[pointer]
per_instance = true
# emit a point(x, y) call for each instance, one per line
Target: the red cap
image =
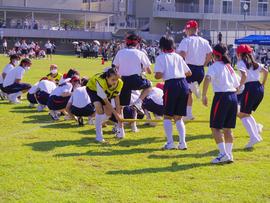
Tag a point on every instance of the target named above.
point(160, 85)
point(191, 24)
point(244, 48)
point(75, 79)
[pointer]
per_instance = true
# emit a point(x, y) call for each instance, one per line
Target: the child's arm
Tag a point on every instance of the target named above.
point(243, 78)
point(111, 109)
point(265, 75)
point(206, 82)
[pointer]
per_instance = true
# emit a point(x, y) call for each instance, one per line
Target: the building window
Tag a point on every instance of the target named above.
point(208, 6)
point(227, 6)
point(169, 1)
point(245, 7)
point(262, 7)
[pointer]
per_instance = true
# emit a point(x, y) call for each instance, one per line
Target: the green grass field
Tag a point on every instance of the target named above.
point(46, 161)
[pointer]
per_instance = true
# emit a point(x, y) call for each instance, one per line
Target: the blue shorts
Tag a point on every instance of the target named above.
point(239, 98)
point(57, 102)
point(252, 97)
point(16, 87)
point(31, 98)
point(86, 111)
point(128, 114)
point(94, 97)
point(224, 110)
point(197, 74)
point(151, 106)
point(175, 97)
point(132, 82)
point(42, 97)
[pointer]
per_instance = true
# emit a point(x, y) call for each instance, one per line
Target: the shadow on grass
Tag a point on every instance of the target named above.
point(111, 152)
point(51, 145)
point(137, 142)
point(197, 155)
point(173, 168)
point(198, 137)
point(38, 119)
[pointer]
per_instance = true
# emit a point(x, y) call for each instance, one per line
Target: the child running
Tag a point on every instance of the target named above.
point(253, 92)
point(102, 88)
point(172, 68)
point(224, 106)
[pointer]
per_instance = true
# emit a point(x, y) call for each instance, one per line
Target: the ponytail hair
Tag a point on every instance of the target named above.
point(109, 72)
point(249, 61)
point(221, 52)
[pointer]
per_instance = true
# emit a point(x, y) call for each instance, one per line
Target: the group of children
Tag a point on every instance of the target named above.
point(122, 91)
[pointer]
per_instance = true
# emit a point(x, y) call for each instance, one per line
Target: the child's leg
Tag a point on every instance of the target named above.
point(228, 136)
point(180, 125)
point(134, 124)
point(168, 128)
point(100, 118)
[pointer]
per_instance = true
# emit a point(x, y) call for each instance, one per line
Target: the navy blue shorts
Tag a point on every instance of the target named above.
point(128, 114)
point(42, 97)
point(1, 87)
point(94, 97)
point(197, 74)
point(224, 110)
point(239, 98)
point(151, 106)
point(16, 87)
point(86, 111)
point(252, 97)
point(175, 97)
point(132, 82)
point(31, 98)
point(57, 102)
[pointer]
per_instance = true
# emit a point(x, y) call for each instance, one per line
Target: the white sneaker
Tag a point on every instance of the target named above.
point(120, 134)
point(222, 158)
point(168, 146)
point(182, 146)
point(54, 115)
point(134, 129)
point(16, 101)
point(231, 157)
point(194, 87)
point(101, 141)
point(91, 121)
point(260, 128)
point(251, 143)
point(40, 108)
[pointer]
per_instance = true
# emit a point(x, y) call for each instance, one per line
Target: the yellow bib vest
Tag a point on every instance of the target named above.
point(110, 92)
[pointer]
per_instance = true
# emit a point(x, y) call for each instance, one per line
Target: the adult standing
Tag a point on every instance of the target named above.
point(49, 47)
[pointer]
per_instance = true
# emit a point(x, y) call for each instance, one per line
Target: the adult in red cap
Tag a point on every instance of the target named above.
point(197, 53)
point(253, 92)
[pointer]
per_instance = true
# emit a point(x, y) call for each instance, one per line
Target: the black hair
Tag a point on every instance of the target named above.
point(166, 43)
point(134, 39)
point(14, 56)
point(84, 81)
point(249, 61)
point(71, 73)
point(25, 60)
point(222, 49)
point(109, 72)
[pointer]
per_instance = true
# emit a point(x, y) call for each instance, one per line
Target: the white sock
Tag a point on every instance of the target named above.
point(228, 147)
point(189, 111)
point(221, 147)
point(167, 123)
point(99, 120)
point(180, 125)
point(252, 131)
point(254, 123)
point(147, 114)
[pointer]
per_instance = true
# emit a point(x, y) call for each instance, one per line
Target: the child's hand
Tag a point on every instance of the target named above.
point(205, 100)
point(119, 117)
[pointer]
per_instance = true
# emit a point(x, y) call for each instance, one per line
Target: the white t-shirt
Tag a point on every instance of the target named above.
point(223, 77)
point(13, 75)
point(196, 49)
point(65, 88)
point(156, 95)
point(48, 45)
point(135, 94)
point(24, 46)
point(6, 70)
point(80, 98)
point(33, 89)
point(131, 61)
point(252, 75)
point(171, 65)
point(46, 86)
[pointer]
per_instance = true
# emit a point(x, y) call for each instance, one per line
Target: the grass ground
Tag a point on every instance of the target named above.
point(45, 161)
